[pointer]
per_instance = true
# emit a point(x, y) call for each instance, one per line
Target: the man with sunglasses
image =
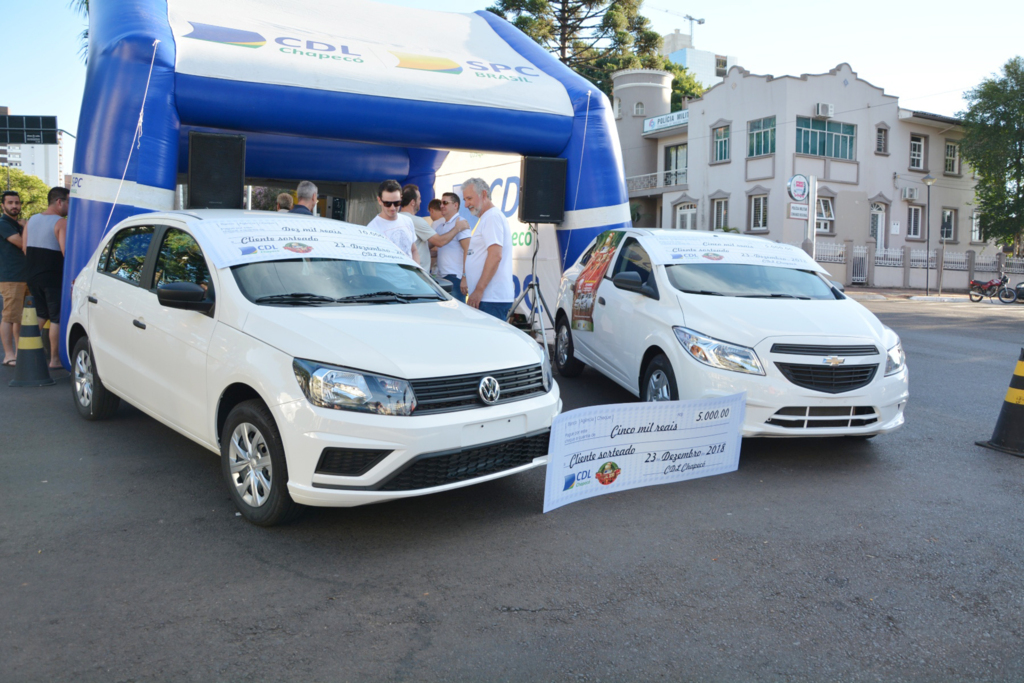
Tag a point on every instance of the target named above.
point(391, 223)
point(451, 241)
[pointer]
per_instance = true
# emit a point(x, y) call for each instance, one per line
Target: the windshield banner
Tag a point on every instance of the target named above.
point(603, 449)
point(590, 279)
point(232, 242)
point(667, 247)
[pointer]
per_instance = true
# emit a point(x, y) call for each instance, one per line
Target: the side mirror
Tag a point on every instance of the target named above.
point(444, 283)
point(184, 295)
point(838, 285)
point(628, 281)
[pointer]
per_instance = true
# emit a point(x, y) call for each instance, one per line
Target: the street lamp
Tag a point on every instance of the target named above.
point(929, 181)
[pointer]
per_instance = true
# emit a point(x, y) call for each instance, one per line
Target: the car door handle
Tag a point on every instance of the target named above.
point(139, 324)
point(600, 300)
point(93, 300)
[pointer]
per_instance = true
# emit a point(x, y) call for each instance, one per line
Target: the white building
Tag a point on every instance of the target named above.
point(32, 144)
point(707, 67)
point(725, 162)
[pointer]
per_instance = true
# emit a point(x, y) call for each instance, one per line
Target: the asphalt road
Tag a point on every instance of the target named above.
point(898, 559)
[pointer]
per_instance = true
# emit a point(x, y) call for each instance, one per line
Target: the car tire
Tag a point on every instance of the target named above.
point(1007, 295)
point(93, 400)
point(565, 360)
point(254, 466)
point(659, 381)
point(975, 296)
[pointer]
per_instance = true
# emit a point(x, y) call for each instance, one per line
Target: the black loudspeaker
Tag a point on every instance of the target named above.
point(216, 171)
point(542, 190)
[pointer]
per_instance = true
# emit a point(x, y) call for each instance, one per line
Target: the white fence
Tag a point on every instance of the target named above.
point(954, 260)
point(889, 257)
point(989, 265)
point(828, 252)
point(653, 181)
point(919, 258)
point(1015, 265)
point(859, 273)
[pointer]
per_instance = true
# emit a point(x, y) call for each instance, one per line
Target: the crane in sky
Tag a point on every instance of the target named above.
point(691, 19)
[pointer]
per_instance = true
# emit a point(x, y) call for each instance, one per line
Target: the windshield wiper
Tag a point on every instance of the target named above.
point(773, 296)
point(297, 298)
point(386, 295)
point(701, 291)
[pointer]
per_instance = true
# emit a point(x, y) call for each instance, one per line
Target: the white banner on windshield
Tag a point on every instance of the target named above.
point(232, 242)
point(603, 449)
point(684, 246)
point(360, 47)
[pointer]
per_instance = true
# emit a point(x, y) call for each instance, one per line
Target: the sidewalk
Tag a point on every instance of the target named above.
point(880, 294)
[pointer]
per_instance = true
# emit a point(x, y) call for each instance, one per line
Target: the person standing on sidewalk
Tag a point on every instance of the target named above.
point(44, 258)
point(12, 275)
point(488, 281)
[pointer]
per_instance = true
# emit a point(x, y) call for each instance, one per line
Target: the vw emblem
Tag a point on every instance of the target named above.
point(490, 390)
point(833, 360)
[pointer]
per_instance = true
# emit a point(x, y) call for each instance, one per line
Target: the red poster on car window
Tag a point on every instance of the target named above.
point(590, 278)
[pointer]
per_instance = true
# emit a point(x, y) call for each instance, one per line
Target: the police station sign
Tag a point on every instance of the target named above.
point(676, 118)
point(608, 448)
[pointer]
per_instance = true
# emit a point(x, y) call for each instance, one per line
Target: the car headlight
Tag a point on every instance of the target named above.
point(329, 386)
point(719, 354)
point(895, 360)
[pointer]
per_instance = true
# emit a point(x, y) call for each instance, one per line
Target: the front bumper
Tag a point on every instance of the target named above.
point(306, 430)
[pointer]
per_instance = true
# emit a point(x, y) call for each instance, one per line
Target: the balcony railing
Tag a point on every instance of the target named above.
point(655, 181)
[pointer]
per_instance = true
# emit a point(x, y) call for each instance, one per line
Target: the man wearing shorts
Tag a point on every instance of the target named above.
point(44, 257)
point(12, 275)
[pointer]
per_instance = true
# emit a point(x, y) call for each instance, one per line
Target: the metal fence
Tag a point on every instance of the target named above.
point(889, 257)
point(1014, 265)
point(653, 181)
point(859, 271)
point(989, 265)
point(919, 258)
point(954, 260)
point(830, 252)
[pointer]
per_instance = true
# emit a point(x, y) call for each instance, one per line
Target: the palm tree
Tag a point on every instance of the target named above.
point(82, 7)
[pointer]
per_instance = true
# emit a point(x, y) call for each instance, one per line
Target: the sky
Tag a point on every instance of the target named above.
point(926, 53)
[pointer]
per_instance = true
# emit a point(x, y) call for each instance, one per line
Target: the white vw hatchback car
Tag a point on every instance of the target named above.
point(673, 314)
point(321, 364)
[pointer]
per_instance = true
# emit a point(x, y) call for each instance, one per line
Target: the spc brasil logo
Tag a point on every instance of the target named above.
point(225, 36)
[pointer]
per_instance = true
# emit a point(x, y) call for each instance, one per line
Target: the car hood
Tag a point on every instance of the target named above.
point(411, 341)
point(749, 321)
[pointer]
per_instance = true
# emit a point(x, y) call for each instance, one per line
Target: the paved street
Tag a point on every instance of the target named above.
point(900, 558)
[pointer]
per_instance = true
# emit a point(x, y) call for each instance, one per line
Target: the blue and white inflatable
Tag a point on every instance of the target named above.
point(344, 91)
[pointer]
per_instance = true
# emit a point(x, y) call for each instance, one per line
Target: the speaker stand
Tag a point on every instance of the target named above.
point(537, 299)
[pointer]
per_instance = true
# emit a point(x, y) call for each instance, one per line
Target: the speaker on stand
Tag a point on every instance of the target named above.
point(216, 171)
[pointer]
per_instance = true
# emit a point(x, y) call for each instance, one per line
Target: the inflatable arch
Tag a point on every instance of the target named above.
point(344, 91)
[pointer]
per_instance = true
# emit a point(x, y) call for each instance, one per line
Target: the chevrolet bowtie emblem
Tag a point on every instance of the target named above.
point(833, 360)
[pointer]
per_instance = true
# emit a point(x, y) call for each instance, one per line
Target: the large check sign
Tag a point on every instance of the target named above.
point(609, 448)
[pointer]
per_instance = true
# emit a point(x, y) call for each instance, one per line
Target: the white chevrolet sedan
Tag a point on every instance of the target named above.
point(324, 366)
point(673, 314)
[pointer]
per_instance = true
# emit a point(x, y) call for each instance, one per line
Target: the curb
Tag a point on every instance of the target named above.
point(935, 299)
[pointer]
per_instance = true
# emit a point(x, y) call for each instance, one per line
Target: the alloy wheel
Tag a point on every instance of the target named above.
point(658, 388)
point(83, 378)
point(251, 470)
point(562, 346)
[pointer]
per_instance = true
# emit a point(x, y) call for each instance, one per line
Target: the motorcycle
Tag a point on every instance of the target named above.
point(996, 287)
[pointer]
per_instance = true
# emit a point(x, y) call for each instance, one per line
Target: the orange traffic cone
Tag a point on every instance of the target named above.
point(1008, 435)
point(32, 369)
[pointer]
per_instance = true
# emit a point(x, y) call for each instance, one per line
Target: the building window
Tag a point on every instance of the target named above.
point(720, 207)
point(761, 137)
point(976, 227)
point(881, 141)
point(686, 216)
point(917, 152)
point(638, 109)
point(952, 158)
point(618, 107)
point(759, 212)
point(825, 216)
point(914, 222)
point(675, 165)
point(820, 138)
point(948, 230)
point(721, 66)
point(722, 144)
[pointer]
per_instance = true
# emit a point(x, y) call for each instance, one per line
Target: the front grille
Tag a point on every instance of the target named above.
point(823, 417)
point(831, 380)
point(349, 462)
point(812, 350)
point(437, 469)
point(461, 392)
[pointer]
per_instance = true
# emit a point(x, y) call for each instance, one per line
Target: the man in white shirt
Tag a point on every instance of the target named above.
point(396, 226)
point(488, 280)
point(411, 200)
point(451, 255)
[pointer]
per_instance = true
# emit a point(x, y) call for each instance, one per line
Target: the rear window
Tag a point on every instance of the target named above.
point(746, 280)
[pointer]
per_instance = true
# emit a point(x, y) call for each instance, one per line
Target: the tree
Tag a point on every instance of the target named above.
point(82, 7)
point(993, 144)
point(596, 38)
point(33, 190)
